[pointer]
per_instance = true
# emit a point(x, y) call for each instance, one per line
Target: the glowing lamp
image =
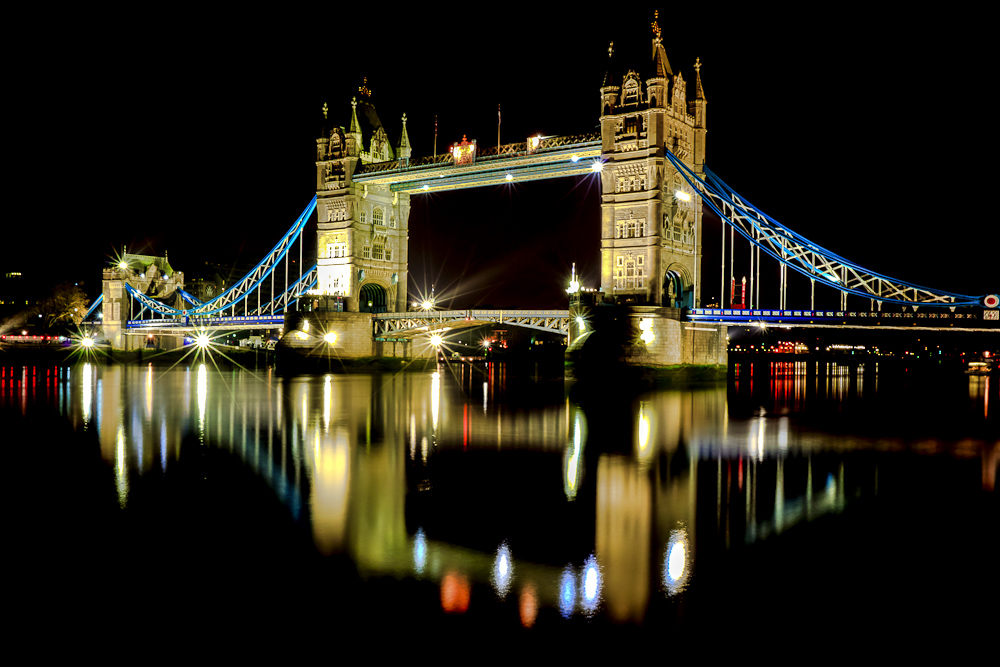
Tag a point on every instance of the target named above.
point(426, 305)
point(202, 341)
point(330, 337)
point(436, 340)
point(509, 177)
point(87, 342)
point(597, 167)
point(683, 196)
point(575, 158)
point(646, 327)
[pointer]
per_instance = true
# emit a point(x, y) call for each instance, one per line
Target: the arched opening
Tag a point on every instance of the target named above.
point(675, 294)
point(372, 299)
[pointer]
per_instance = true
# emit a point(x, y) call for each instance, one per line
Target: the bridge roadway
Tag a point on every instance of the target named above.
point(933, 320)
point(535, 159)
point(386, 326)
point(406, 326)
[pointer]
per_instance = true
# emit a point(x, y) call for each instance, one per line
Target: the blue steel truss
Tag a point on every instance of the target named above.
point(804, 256)
point(251, 281)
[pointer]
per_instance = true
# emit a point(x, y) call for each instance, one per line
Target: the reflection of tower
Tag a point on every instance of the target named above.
point(624, 520)
point(650, 217)
point(362, 230)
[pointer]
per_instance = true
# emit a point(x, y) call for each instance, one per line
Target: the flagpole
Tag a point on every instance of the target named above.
point(498, 130)
point(435, 135)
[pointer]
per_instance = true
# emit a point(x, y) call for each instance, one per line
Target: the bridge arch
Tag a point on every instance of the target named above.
point(678, 286)
point(373, 297)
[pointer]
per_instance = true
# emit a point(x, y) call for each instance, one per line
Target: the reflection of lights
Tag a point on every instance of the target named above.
point(643, 431)
point(301, 335)
point(567, 592)
point(419, 551)
point(87, 395)
point(574, 449)
point(435, 398)
point(528, 605)
point(305, 325)
point(202, 397)
point(121, 471)
point(454, 593)
point(591, 585)
point(503, 571)
point(676, 562)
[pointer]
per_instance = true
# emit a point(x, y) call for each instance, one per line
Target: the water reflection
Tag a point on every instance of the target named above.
point(591, 521)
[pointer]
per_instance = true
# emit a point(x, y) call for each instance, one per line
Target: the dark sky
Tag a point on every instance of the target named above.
point(195, 134)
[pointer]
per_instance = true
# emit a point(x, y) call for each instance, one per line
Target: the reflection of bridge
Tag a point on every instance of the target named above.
point(650, 158)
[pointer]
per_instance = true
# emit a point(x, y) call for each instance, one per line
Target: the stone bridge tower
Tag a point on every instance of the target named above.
point(362, 230)
point(650, 216)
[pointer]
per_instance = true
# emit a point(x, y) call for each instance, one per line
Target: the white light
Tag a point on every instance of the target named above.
point(202, 341)
point(591, 585)
point(580, 321)
point(330, 337)
point(575, 158)
point(87, 342)
point(574, 286)
point(426, 187)
point(436, 340)
point(503, 571)
point(597, 166)
point(509, 177)
point(426, 305)
point(683, 196)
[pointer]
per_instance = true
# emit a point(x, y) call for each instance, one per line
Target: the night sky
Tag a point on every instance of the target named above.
point(195, 135)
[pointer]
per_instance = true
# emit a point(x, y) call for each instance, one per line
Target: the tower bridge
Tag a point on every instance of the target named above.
point(650, 159)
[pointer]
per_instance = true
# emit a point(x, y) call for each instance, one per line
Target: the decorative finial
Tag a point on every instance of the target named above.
point(611, 49)
point(656, 25)
point(697, 65)
point(363, 88)
point(404, 118)
point(354, 102)
point(324, 110)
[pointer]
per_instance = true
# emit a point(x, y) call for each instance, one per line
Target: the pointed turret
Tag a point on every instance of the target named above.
point(403, 150)
point(610, 87)
point(656, 85)
point(354, 131)
point(696, 108)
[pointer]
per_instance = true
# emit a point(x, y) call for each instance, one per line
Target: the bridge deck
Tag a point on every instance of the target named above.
point(555, 157)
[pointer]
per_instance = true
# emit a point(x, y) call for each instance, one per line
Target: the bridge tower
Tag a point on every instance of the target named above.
point(650, 216)
point(362, 230)
point(151, 275)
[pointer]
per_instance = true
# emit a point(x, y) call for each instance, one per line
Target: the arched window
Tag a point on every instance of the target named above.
point(378, 215)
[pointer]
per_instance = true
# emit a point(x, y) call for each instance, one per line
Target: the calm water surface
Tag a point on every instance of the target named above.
point(471, 500)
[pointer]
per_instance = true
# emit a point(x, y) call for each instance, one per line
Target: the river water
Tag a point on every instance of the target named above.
point(473, 502)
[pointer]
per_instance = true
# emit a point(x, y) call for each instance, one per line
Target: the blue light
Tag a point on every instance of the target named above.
point(567, 592)
point(419, 551)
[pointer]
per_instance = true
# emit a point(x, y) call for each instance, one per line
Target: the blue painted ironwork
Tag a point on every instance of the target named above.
point(806, 257)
